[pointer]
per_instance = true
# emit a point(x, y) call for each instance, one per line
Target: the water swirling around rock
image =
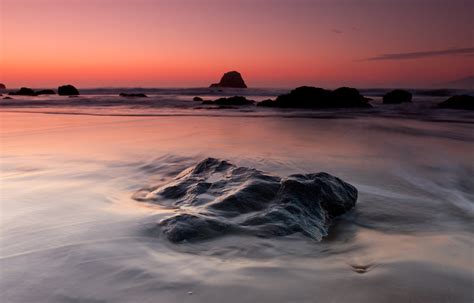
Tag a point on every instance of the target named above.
point(216, 198)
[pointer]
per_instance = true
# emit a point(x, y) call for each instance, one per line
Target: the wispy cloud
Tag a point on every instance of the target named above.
point(426, 54)
point(336, 31)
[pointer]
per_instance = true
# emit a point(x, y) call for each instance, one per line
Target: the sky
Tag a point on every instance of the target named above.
point(273, 43)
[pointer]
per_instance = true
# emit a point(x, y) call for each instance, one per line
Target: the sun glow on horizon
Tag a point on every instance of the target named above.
point(180, 43)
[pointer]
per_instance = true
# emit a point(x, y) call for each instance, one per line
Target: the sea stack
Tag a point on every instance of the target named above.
point(67, 90)
point(231, 79)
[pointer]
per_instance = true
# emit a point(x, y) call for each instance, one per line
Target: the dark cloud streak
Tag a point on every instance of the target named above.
point(426, 54)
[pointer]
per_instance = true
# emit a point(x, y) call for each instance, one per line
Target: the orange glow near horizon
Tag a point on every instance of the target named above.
point(164, 43)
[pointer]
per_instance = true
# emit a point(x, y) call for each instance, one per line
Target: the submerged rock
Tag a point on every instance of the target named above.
point(46, 92)
point(315, 97)
point(236, 100)
point(216, 198)
point(133, 95)
point(67, 90)
point(231, 79)
point(24, 91)
point(7, 98)
point(397, 96)
point(459, 102)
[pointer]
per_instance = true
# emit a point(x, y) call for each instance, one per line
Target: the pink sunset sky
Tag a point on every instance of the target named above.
point(273, 43)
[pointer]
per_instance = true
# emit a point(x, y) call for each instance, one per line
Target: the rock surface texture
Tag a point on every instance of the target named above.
point(215, 198)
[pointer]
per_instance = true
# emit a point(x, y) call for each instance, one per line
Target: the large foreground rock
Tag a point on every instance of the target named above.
point(459, 102)
point(215, 198)
point(231, 79)
point(67, 90)
point(315, 97)
point(397, 96)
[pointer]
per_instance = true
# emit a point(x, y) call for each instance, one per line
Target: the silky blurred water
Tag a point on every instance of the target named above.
point(71, 232)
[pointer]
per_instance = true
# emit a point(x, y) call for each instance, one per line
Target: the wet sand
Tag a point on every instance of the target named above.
point(71, 232)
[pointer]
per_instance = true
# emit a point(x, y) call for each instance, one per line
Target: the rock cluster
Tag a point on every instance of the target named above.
point(315, 97)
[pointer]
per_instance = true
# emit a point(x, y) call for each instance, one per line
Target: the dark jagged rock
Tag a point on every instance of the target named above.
point(236, 100)
point(133, 95)
point(198, 99)
point(67, 90)
point(397, 96)
point(231, 79)
point(216, 198)
point(458, 102)
point(46, 92)
point(24, 91)
point(266, 103)
point(315, 97)
point(2, 86)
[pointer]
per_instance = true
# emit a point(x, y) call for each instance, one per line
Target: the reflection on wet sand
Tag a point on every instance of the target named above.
point(71, 232)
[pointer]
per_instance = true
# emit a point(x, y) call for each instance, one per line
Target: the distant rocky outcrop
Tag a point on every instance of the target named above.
point(315, 97)
point(2, 86)
point(458, 102)
point(67, 90)
point(231, 79)
point(46, 92)
point(24, 91)
point(133, 95)
point(216, 198)
point(397, 96)
point(236, 100)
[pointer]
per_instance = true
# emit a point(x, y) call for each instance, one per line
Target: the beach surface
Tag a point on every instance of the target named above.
point(71, 231)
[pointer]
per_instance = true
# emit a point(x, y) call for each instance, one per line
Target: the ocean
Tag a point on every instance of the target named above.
point(73, 230)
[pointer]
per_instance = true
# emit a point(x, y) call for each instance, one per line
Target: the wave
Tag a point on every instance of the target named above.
point(216, 198)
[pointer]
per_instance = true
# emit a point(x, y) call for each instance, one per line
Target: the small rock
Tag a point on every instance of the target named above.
point(397, 96)
point(24, 91)
point(458, 102)
point(46, 92)
point(197, 99)
point(67, 90)
point(133, 95)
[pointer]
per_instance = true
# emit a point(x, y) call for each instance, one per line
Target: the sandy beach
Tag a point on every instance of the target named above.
point(72, 232)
